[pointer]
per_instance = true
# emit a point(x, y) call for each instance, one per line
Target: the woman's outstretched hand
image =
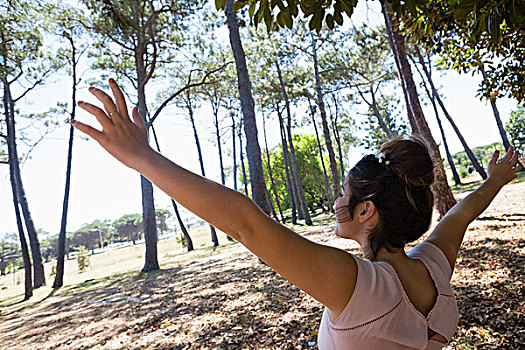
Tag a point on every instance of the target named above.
point(124, 139)
point(506, 169)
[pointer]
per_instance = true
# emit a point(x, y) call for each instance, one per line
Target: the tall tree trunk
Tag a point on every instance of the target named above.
point(214, 237)
point(253, 151)
point(234, 152)
point(270, 173)
point(495, 110)
point(333, 119)
point(286, 157)
point(293, 160)
point(243, 168)
point(13, 160)
point(219, 146)
point(148, 205)
point(326, 130)
point(443, 195)
point(215, 107)
point(468, 151)
point(38, 267)
point(59, 275)
point(185, 233)
point(326, 193)
point(432, 98)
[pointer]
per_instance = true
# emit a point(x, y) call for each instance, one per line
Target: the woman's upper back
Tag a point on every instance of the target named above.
point(380, 314)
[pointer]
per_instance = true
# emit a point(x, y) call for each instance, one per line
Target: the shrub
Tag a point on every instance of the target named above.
point(82, 260)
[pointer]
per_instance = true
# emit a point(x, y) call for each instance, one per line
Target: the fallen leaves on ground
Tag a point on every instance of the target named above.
point(229, 300)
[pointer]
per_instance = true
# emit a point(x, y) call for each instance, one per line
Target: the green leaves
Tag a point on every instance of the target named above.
point(321, 12)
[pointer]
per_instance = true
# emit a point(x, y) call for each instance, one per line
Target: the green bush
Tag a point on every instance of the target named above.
point(82, 260)
point(463, 172)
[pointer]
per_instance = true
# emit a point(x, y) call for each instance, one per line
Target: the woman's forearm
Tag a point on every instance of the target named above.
point(478, 201)
point(226, 209)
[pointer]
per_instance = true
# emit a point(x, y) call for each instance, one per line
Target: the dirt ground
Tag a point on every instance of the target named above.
point(228, 300)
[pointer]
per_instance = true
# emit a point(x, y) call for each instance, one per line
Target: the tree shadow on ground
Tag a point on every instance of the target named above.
point(490, 294)
point(232, 302)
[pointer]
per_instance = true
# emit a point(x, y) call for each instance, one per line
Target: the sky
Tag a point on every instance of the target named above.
point(102, 188)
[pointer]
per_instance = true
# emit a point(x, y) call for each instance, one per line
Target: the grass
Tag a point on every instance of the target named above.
point(108, 266)
point(474, 181)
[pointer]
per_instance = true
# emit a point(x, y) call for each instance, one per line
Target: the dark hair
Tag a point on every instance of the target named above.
point(398, 183)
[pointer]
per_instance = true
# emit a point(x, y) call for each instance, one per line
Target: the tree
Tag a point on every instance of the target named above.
point(516, 127)
point(432, 98)
point(435, 94)
point(253, 150)
point(67, 21)
point(189, 100)
point(91, 235)
point(473, 36)
point(443, 195)
point(129, 227)
point(139, 33)
point(23, 64)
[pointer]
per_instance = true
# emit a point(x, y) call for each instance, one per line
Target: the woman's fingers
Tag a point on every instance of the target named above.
point(101, 116)
point(88, 130)
point(122, 108)
point(137, 119)
point(495, 157)
point(107, 101)
point(510, 153)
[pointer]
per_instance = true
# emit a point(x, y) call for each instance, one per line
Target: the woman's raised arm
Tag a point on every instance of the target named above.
point(449, 233)
point(327, 274)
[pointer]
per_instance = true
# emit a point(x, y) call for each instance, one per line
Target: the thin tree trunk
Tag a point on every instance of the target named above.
point(215, 107)
point(289, 182)
point(244, 178)
point(468, 151)
point(432, 98)
point(219, 146)
point(253, 151)
point(185, 233)
point(234, 152)
point(443, 195)
point(59, 275)
point(294, 169)
point(495, 110)
point(326, 194)
point(270, 173)
point(148, 205)
point(38, 267)
point(28, 283)
point(214, 237)
point(333, 119)
point(326, 130)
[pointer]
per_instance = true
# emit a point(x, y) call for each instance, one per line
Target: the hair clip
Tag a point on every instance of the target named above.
point(381, 157)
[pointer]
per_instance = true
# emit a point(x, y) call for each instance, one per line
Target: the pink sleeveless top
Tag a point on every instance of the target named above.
point(379, 314)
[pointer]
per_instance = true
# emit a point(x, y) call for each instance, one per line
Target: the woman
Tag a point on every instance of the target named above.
point(391, 300)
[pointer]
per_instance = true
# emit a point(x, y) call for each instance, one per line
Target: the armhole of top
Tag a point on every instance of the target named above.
point(437, 255)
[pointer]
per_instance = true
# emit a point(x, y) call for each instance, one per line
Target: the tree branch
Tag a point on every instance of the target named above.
point(180, 91)
point(35, 84)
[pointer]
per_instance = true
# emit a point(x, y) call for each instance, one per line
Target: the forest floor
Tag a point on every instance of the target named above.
point(226, 299)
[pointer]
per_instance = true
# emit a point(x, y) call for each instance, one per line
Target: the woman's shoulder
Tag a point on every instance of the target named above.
point(434, 259)
point(376, 291)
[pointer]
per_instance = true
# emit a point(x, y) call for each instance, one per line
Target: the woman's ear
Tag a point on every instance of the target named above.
point(366, 210)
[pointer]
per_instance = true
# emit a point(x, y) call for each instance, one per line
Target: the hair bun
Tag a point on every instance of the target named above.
point(410, 159)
